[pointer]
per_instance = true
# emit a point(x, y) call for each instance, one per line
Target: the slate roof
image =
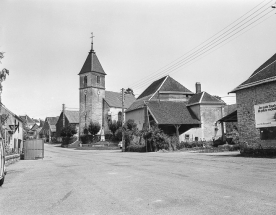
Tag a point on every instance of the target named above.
point(170, 112)
point(163, 84)
point(72, 116)
point(113, 99)
point(92, 64)
point(204, 98)
point(265, 73)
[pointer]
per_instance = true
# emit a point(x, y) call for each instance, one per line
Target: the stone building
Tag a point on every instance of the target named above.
point(256, 106)
point(177, 110)
point(96, 104)
point(67, 117)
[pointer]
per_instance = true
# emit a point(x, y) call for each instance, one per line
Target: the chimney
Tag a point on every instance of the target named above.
point(63, 115)
point(198, 87)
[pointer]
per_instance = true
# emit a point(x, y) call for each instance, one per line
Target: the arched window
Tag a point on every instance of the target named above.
point(120, 116)
point(85, 81)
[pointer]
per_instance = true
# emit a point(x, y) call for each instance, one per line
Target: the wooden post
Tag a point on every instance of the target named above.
point(146, 126)
point(177, 132)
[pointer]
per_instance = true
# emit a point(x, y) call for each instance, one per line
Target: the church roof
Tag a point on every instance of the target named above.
point(204, 98)
point(92, 64)
point(265, 73)
point(113, 99)
point(170, 112)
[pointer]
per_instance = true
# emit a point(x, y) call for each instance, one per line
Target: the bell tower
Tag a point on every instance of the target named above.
point(92, 90)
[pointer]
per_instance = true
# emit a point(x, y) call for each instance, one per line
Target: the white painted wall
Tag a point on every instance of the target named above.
point(138, 117)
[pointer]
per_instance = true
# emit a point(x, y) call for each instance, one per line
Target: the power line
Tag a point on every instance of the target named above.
point(181, 64)
point(211, 43)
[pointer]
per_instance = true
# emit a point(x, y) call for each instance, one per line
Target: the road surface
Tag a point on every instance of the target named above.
point(69, 181)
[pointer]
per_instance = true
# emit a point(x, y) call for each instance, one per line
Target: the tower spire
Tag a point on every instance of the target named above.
point(92, 50)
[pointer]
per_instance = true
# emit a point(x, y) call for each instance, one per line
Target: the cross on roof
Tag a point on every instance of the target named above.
point(92, 41)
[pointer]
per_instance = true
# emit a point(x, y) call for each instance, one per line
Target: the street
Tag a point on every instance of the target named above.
point(69, 181)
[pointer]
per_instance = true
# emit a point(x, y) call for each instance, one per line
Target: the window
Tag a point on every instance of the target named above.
point(120, 116)
point(268, 133)
point(98, 79)
point(85, 81)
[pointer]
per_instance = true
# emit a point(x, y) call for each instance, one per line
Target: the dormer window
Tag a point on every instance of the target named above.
point(85, 81)
point(98, 79)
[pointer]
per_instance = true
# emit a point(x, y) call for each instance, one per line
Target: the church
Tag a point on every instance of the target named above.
point(95, 103)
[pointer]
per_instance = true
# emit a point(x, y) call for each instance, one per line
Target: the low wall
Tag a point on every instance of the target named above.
point(10, 159)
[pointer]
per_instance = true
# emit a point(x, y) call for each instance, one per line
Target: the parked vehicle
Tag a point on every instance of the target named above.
point(120, 144)
point(2, 163)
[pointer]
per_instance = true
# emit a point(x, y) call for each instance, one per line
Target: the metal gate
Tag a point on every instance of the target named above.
point(33, 149)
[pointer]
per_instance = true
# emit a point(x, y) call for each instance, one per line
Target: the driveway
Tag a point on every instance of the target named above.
point(69, 181)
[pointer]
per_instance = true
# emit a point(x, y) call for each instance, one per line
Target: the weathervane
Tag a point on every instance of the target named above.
point(92, 41)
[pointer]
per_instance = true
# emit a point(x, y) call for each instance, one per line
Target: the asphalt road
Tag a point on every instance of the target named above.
point(69, 181)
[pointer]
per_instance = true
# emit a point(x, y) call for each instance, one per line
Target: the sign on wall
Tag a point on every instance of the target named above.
point(265, 115)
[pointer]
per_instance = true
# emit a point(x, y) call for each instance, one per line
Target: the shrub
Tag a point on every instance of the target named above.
point(94, 128)
point(118, 134)
point(109, 136)
point(136, 148)
point(113, 126)
point(156, 139)
point(68, 131)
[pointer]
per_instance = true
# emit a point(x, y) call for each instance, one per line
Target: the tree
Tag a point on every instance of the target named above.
point(129, 91)
point(3, 73)
point(113, 126)
point(94, 128)
point(68, 131)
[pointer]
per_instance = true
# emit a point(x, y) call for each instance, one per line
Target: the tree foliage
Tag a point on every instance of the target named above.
point(68, 131)
point(94, 128)
point(113, 126)
point(129, 91)
point(156, 139)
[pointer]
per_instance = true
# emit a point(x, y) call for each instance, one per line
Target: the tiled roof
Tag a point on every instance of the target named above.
point(152, 88)
point(52, 120)
point(72, 116)
point(265, 73)
point(170, 112)
point(172, 85)
point(27, 120)
point(139, 103)
point(35, 127)
point(165, 84)
point(113, 99)
point(92, 63)
point(204, 98)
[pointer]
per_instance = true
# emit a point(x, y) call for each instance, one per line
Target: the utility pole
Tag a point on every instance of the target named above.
point(123, 119)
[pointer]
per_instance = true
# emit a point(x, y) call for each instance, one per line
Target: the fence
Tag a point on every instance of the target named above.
point(33, 149)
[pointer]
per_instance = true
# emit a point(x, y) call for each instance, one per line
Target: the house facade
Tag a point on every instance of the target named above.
point(177, 110)
point(66, 118)
point(48, 130)
point(95, 103)
point(256, 106)
point(13, 129)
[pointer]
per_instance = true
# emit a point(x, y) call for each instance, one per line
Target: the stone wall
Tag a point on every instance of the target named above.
point(246, 99)
point(10, 159)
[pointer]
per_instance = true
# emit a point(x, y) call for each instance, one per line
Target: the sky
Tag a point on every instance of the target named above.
point(137, 42)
